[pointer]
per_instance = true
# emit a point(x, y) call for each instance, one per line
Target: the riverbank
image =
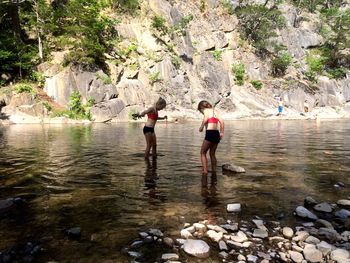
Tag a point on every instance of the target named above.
point(324, 113)
point(321, 234)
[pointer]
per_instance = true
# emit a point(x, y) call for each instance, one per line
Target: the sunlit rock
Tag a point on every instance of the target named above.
point(197, 248)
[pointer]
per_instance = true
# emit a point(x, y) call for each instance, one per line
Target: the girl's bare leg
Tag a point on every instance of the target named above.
point(204, 149)
point(213, 157)
point(149, 139)
point(154, 145)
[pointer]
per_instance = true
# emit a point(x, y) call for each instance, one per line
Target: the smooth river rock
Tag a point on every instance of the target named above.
point(197, 248)
point(344, 202)
point(323, 207)
point(288, 232)
point(233, 208)
point(305, 213)
point(312, 254)
point(233, 168)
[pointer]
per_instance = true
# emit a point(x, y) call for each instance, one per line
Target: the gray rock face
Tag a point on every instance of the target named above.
point(214, 79)
point(197, 248)
point(303, 212)
point(105, 111)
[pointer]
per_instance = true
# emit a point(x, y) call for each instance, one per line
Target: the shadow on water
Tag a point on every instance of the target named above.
point(95, 177)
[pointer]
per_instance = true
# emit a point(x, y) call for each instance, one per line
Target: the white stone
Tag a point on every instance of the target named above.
point(344, 202)
point(239, 237)
point(312, 240)
point(252, 258)
point(222, 245)
point(296, 256)
point(215, 236)
point(200, 227)
point(340, 254)
point(185, 234)
point(197, 248)
point(287, 232)
point(170, 256)
point(233, 208)
point(217, 228)
point(312, 254)
point(191, 229)
point(300, 236)
point(260, 224)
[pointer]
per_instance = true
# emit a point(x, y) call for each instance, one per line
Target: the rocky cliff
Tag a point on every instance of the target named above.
point(193, 63)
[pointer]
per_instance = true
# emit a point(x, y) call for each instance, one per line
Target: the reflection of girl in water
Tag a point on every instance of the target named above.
point(209, 194)
point(151, 178)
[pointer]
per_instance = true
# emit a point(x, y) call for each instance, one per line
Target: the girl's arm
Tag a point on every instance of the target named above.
point(204, 122)
point(163, 118)
point(149, 110)
point(222, 125)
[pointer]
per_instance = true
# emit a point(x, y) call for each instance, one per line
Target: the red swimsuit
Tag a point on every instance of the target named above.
point(152, 116)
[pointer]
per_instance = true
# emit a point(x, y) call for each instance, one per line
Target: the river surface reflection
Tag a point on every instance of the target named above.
point(95, 177)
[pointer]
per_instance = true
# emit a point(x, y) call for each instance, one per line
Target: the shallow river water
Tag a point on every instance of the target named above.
point(95, 177)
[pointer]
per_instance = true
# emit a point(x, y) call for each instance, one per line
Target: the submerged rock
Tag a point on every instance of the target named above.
point(232, 168)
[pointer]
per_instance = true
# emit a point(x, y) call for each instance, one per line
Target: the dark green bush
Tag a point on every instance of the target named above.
point(281, 63)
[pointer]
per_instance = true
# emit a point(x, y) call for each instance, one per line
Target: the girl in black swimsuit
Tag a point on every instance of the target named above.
point(211, 118)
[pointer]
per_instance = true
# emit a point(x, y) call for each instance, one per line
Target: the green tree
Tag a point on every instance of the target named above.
point(336, 32)
point(258, 24)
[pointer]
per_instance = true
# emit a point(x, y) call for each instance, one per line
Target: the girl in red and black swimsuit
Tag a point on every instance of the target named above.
point(148, 129)
point(212, 135)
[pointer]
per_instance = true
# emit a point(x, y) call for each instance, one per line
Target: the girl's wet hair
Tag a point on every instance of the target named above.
point(204, 105)
point(161, 102)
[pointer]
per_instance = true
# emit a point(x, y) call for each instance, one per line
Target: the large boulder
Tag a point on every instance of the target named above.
point(89, 84)
point(105, 111)
point(133, 92)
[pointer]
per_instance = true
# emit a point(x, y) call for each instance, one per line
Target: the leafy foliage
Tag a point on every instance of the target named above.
point(258, 24)
point(154, 77)
point(180, 27)
point(311, 5)
point(257, 84)
point(127, 5)
point(239, 73)
point(217, 54)
point(76, 109)
point(316, 64)
point(158, 23)
point(336, 32)
point(24, 88)
point(281, 63)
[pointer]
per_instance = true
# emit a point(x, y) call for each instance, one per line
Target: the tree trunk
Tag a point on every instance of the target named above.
point(13, 12)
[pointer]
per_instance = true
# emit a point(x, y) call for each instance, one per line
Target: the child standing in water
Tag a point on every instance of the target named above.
point(211, 118)
point(148, 129)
